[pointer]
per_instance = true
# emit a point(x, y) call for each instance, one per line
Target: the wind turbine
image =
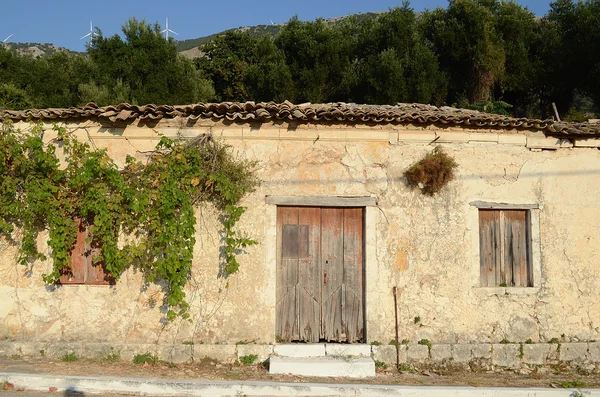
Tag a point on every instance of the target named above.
point(167, 30)
point(91, 34)
point(4, 41)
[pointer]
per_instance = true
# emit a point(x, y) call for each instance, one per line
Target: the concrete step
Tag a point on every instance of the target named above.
point(350, 367)
point(322, 350)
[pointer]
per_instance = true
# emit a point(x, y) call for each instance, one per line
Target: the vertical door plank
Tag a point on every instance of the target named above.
point(352, 313)
point(309, 274)
point(489, 246)
point(503, 274)
point(287, 278)
point(332, 245)
point(515, 257)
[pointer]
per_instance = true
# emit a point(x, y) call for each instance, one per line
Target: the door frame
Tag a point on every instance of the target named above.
point(369, 249)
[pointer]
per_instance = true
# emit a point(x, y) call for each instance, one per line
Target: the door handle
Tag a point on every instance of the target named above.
point(325, 278)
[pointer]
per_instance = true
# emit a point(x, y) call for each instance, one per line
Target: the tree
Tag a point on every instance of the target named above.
point(227, 58)
point(520, 32)
point(269, 77)
point(148, 64)
point(318, 56)
point(469, 47)
point(393, 63)
point(12, 97)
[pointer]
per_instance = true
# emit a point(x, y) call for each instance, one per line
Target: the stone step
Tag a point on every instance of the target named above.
point(350, 367)
point(322, 350)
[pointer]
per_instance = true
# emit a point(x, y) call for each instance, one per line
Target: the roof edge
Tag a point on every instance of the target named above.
point(401, 113)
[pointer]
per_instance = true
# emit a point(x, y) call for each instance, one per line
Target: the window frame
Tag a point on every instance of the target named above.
point(533, 242)
point(86, 268)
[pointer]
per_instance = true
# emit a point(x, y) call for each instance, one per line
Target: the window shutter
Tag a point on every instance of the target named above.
point(515, 252)
point(76, 273)
point(489, 247)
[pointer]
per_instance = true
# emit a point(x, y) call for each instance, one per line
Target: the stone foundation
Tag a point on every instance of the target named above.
point(580, 355)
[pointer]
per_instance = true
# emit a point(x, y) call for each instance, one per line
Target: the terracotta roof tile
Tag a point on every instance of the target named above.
point(402, 113)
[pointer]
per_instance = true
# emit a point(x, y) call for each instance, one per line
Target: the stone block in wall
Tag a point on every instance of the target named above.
point(512, 139)
point(261, 133)
point(30, 349)
point(505, 355)
point(417, 353)
point(453, 137)
point(535, 354)
point(416, 137)
point(387, 354)
point(332, 135)
point(298, 135)
point(441, 352)
point(229, 133)
point(101, 351)
point(368, 135)
point(221, 353)
point(587, 142)
point(483, 137)
point(128, 352)
point(8, 349)
point(594, 352)
point(176, 353)
point(573, 351)
point(262, 351)
point(537, 140)
point(59, 350)
point(481, 351)
point(461, 353)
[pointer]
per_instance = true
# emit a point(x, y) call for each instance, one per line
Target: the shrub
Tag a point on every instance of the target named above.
point(146, 358)
point(380, 365)
point(69, 357)
point(249, 359)
point(432, 172)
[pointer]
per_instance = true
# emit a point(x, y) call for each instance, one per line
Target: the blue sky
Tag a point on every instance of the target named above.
point(63, 22)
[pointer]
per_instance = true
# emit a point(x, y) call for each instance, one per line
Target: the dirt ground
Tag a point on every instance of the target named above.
point(208, 370)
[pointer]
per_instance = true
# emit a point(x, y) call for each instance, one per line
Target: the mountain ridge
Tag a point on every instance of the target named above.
point(187, 47)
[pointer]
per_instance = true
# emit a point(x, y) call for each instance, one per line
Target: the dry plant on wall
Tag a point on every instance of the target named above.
point(432, 172)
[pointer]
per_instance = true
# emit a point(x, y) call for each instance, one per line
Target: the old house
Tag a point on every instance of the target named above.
point(508, 251)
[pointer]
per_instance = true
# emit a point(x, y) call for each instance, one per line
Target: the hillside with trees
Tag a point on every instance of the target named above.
point(490, 55)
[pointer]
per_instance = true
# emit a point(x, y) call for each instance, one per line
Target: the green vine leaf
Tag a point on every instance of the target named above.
point(154, 202)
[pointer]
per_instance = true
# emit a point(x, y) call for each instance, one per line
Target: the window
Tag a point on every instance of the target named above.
point(505, 248)
point(82, 269)
point(295, 241)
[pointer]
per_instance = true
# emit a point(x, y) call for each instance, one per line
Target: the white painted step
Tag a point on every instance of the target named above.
point(350, 367)
point(322, 349)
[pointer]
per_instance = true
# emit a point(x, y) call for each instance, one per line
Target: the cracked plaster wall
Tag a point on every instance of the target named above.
point(427, 247)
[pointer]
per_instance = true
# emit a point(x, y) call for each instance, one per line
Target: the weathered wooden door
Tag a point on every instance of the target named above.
point(320, 274)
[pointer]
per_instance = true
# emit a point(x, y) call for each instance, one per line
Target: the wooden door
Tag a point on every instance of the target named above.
point(320, 274)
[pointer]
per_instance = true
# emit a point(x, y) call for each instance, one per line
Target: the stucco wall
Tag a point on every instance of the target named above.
point(427, 247)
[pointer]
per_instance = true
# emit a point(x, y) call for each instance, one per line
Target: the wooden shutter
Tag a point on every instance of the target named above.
point(515, 248)
point(489, 247)
point(503, 244)
point(82, 269)
point(77, 270)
